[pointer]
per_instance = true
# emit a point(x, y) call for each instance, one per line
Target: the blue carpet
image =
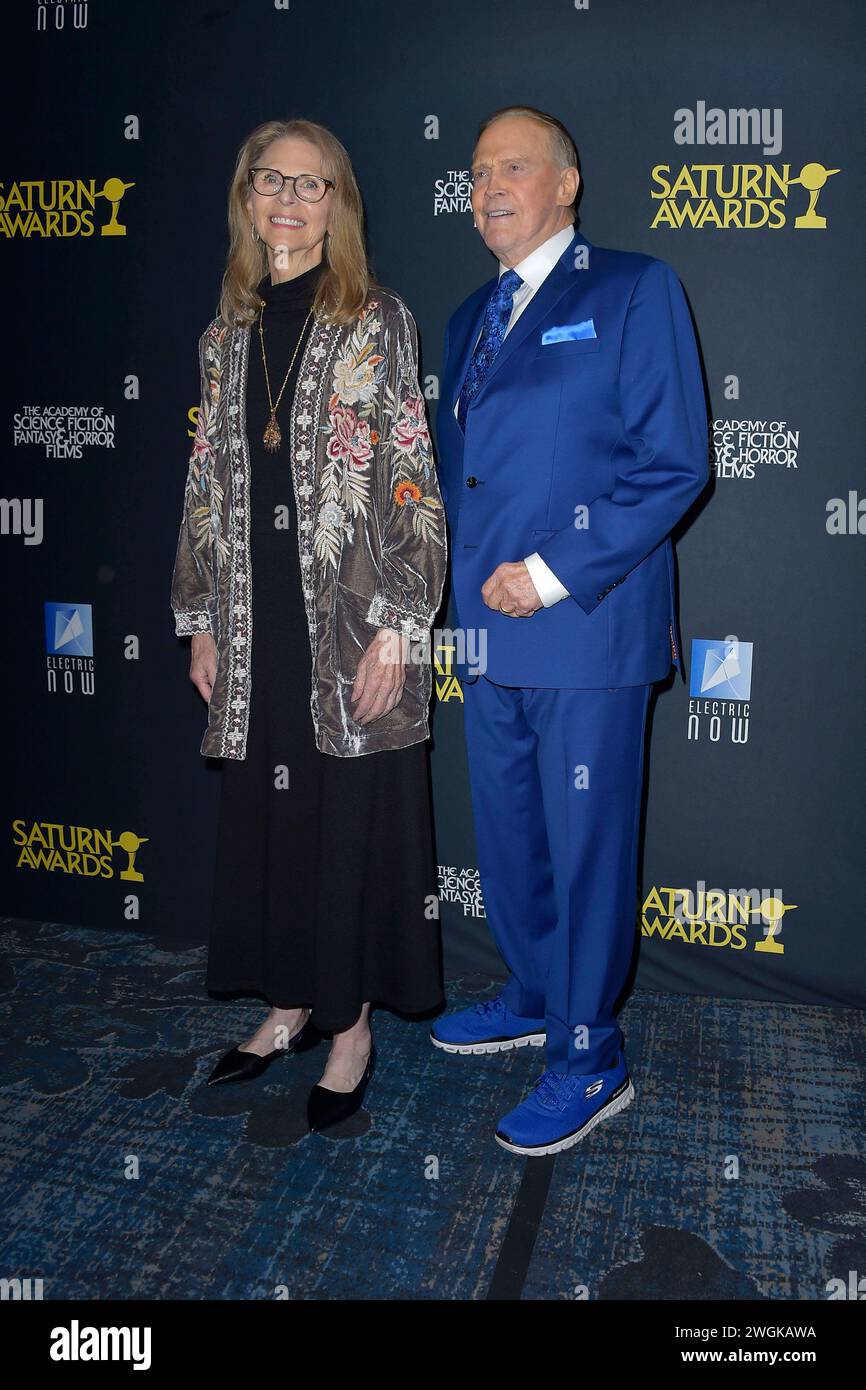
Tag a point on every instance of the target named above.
point(735, 1174)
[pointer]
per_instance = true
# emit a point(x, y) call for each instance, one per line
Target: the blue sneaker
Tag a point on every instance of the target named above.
point(561, 1109)
point(487, 1027)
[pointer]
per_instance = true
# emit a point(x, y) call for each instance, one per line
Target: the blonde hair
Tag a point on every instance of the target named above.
point(563, 150)
point(344, 284)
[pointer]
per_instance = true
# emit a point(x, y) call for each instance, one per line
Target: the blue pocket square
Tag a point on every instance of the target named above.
point(567, 331)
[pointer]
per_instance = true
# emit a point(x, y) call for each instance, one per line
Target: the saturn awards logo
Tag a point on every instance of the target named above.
point(87, 851)
point(730, 196)
point(62, 208)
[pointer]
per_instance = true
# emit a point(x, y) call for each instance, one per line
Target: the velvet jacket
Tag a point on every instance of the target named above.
point(371, 540)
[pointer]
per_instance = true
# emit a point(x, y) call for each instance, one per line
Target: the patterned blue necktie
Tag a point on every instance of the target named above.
point(496, 317)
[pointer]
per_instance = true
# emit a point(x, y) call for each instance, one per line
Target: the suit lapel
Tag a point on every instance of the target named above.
point(542, 303)
point(472, 328)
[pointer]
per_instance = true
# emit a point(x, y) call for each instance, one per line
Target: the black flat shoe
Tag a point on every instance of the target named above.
point(326, 1108)
point(246, 1066)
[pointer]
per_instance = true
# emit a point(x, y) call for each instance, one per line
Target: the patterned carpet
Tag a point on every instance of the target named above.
point(736, 1174)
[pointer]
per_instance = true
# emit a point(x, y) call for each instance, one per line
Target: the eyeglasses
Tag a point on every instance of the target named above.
point(310, 188)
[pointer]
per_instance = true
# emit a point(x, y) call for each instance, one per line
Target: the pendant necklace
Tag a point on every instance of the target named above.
point(272, 436)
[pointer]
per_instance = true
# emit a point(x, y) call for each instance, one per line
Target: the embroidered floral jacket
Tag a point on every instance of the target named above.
point(371, 538)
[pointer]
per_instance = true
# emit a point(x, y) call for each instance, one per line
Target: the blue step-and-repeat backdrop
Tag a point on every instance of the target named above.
point(725, 139)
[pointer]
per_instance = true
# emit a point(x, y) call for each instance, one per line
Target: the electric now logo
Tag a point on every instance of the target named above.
point(77, 1343)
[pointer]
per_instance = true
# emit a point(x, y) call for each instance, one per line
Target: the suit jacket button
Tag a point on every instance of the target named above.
point(471, 482)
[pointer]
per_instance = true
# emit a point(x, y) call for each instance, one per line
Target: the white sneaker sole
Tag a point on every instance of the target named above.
point(503, 1045)
point(613, 1107)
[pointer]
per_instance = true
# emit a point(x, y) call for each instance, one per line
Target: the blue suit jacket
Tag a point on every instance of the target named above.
point(616, 423)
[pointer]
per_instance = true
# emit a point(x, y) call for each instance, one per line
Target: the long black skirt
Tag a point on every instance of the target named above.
point(325, 883)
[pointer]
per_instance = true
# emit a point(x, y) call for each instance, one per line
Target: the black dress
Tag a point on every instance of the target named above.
point(325, 867)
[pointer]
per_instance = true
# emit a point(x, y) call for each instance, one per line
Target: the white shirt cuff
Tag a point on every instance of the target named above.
point(547, 586)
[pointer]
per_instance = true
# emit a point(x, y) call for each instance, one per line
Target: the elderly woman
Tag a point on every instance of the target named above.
point(309, 569)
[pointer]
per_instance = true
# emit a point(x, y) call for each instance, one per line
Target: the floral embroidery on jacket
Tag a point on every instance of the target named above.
point(345, 485)
point(344, 492)
point(412, 456)
point(206, 480)
point(201, 525)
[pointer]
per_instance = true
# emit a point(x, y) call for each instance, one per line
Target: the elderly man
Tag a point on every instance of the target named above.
point(572, 437)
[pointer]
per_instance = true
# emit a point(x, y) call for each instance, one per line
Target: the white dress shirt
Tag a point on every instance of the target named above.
point(533, 271)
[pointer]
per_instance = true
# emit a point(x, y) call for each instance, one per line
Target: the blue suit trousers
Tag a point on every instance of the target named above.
point(556, 777)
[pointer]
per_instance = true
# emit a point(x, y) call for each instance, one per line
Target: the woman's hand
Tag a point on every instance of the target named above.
point(203, 663)
point(381, 676)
